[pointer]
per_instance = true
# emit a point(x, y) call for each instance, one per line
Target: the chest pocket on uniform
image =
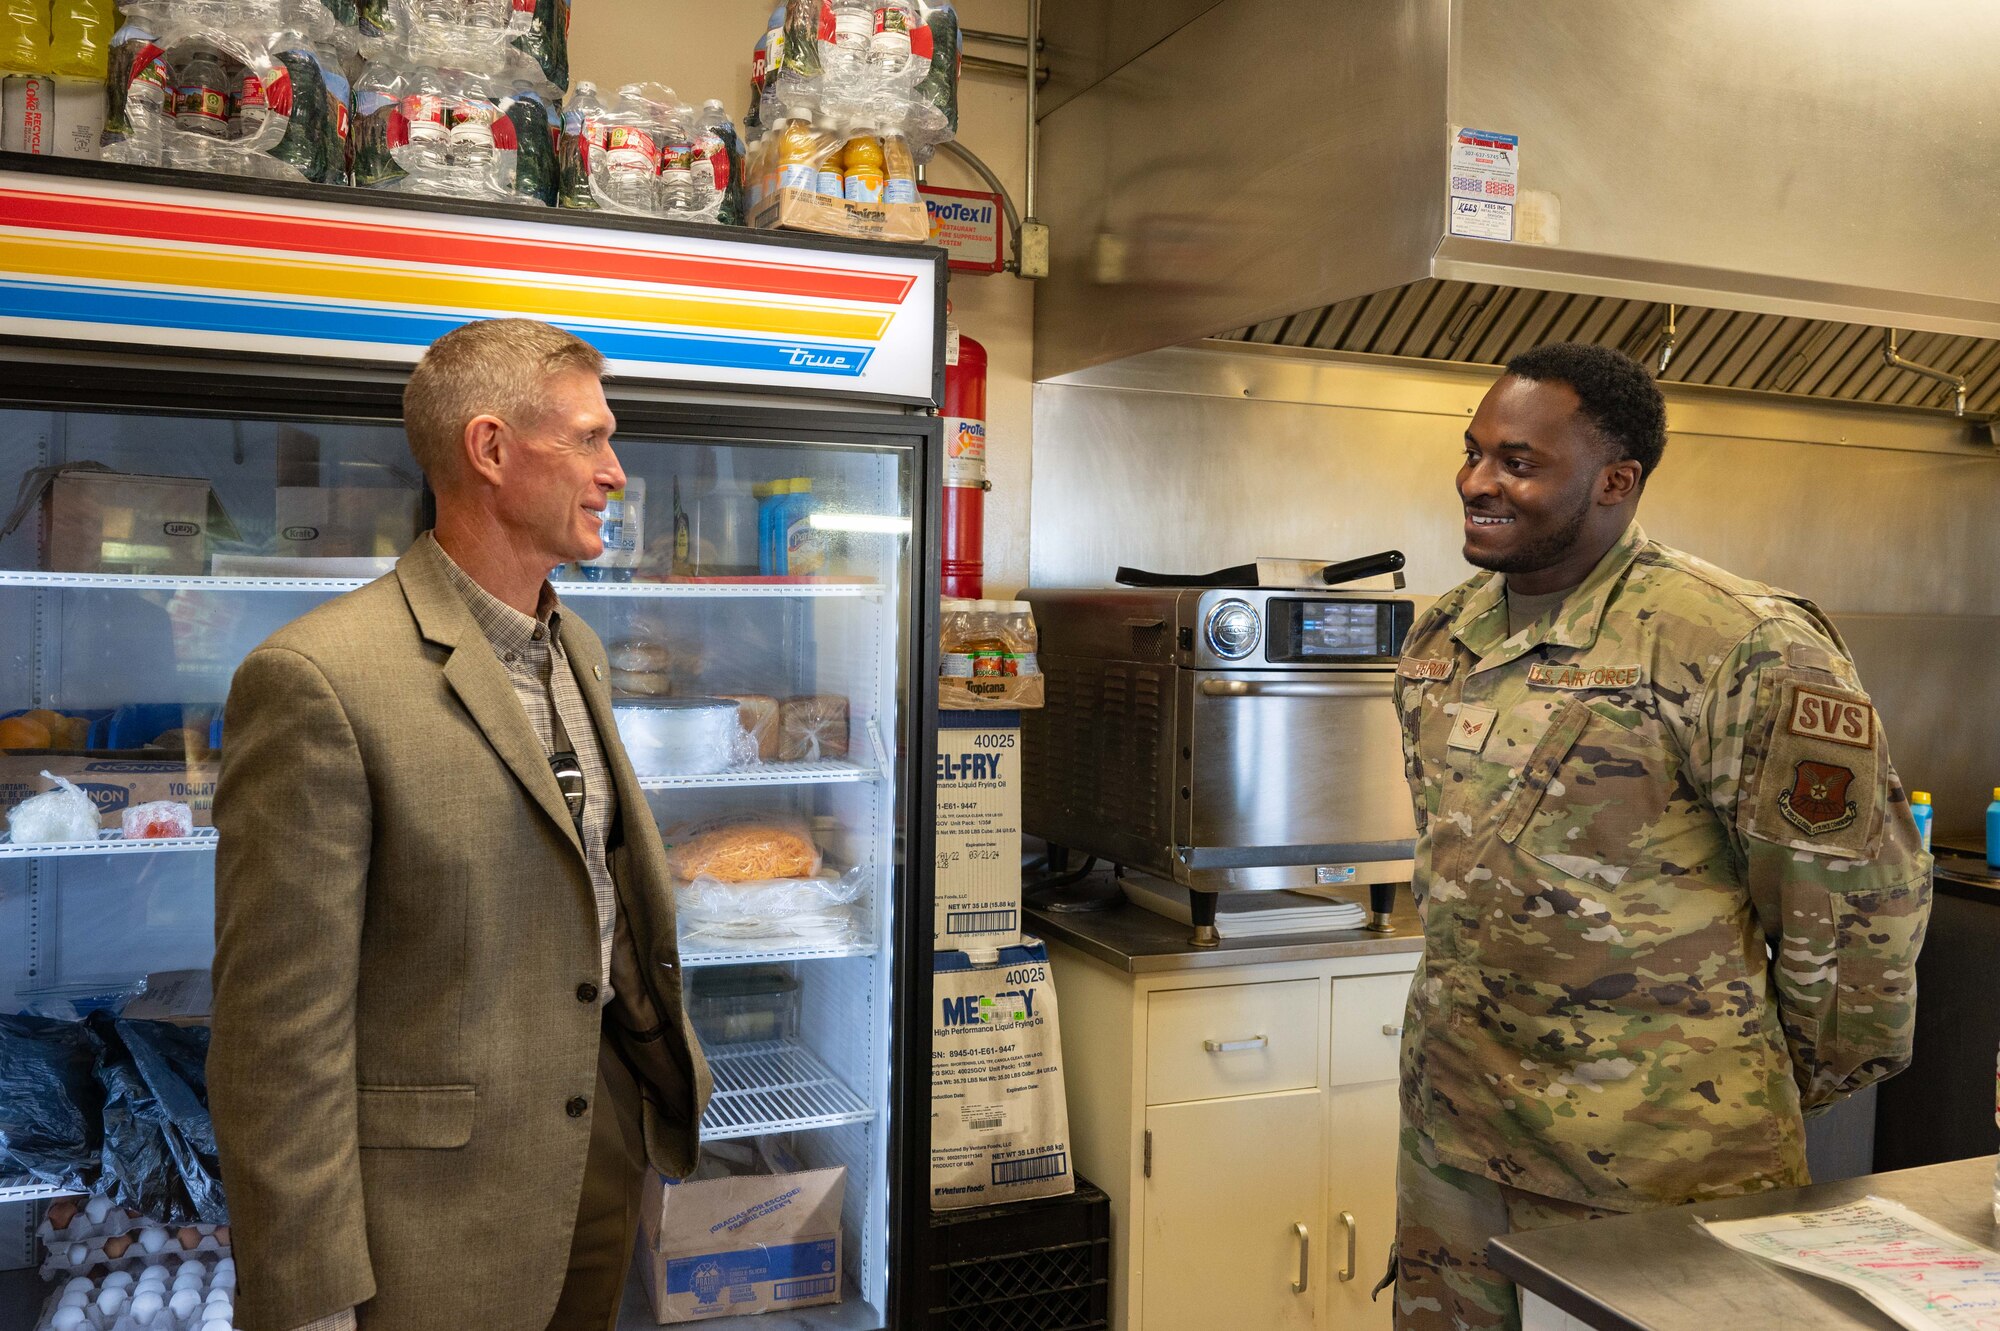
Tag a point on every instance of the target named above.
point(1588, 795)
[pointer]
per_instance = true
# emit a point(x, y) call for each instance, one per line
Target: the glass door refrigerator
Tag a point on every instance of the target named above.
point(200, 405)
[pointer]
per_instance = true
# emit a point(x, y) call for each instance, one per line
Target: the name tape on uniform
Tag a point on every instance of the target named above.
point(1835, 717)
point(1544, 676)
point(1424, 667)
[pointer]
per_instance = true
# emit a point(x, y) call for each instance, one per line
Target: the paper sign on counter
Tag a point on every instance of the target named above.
point(1924, 1276)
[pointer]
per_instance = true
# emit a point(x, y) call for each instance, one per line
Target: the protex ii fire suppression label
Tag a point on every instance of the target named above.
point(999, 1119)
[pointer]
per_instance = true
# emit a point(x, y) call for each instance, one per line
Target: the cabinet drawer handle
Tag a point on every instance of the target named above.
point(1232, 1046)
point(1305, 1260)
point(1347, 1223)
point(1394, 1032)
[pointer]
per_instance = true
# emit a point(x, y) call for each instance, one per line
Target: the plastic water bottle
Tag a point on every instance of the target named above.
point(714, 169)
point(889, 47)
point(630, 177)
point(1993, 831)
point(677, 152)
point(846, 57)
point(1922, 812)
point(582, 135)
point(470, 142)
point(201, 95)
point(427, 113)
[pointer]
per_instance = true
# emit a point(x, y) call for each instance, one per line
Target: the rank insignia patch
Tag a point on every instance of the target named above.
point(1817, 803)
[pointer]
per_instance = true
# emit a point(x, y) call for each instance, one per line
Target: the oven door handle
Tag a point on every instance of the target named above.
point(1252, 688)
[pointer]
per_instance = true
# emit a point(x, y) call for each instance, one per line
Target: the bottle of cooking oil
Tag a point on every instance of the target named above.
point(975, 648)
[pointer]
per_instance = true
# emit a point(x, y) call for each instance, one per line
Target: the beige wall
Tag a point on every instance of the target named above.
point(701, 49)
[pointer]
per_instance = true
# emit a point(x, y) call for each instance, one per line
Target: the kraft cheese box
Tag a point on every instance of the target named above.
point(745, 1243)
point(978, 831)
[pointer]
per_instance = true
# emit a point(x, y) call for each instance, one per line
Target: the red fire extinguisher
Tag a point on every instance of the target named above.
point(964, 468)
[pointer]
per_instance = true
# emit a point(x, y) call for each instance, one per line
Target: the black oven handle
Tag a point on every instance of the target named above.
point(1254, 688)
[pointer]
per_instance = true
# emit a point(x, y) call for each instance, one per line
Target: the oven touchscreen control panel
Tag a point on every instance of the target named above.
point(1344, 632)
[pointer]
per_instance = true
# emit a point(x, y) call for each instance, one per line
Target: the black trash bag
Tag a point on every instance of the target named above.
point(159, 1142)
point(50, 1106)
point(137, 1174)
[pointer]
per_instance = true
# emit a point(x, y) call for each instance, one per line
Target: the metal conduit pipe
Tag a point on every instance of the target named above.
point(1890, 356)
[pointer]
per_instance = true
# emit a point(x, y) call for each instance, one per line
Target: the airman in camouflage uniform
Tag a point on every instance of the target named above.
point(1671, 890)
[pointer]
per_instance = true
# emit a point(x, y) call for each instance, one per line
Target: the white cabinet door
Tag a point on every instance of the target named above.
point(1232, 1181)
point(1361, 1202)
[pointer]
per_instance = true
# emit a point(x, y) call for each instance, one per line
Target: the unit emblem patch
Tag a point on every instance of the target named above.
point(1817, 803)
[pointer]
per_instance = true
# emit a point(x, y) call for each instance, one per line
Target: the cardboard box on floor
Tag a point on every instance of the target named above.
point(114, 781)
point(744, 1243)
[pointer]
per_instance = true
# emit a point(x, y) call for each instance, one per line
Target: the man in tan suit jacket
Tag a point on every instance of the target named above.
point(448, 1032)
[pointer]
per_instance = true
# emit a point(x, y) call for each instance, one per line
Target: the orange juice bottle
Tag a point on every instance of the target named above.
point(798, 154)
point(899, 183)
point(862, 167)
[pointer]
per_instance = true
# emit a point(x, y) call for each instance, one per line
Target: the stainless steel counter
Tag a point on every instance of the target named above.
point(1133, 939)
point(1659, 1272)
point(1964, 872)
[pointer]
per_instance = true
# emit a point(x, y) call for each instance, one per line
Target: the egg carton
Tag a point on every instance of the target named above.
point(173, 1295)
point(151, 1242)
point(71, 1219)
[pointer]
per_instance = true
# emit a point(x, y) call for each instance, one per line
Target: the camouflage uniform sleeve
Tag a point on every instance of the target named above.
point(1789, 751)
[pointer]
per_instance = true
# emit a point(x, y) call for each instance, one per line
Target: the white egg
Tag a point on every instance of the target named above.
point(146, 1304)
point(189, 1276)
point(226, 1264)
point(225, 1279)
point(79, 1282)
point(217, 1324)
point(183, 1303)
point(155, 1273)
point(76, 1298)
point(152, 1239)
point(220, 1298)
point(67, 1319)
point(110, 1303)
point(117, 1280)
point(97, 1208)
point(79, 1253)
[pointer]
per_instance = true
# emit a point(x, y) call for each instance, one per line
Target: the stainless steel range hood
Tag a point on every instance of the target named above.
point(1480, 324)
point(1828, 167)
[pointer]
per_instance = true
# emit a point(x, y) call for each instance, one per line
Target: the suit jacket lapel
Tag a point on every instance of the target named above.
point(478, 678)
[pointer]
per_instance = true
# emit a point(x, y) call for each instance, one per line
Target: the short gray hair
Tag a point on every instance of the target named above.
point(496, 367)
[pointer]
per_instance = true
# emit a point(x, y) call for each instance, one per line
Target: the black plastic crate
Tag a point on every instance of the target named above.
point(1041, 1265)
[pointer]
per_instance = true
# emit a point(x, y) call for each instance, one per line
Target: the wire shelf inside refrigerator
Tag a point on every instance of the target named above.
point(32, 1192)
point(110, 843)
point(828, 771)
point(744, 952)
point(775, 1086)
point(198, 582)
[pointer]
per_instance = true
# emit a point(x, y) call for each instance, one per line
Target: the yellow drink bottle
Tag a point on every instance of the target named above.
point(80, 38)
point(861, 167)
point(899, 170)
point(24, 37)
